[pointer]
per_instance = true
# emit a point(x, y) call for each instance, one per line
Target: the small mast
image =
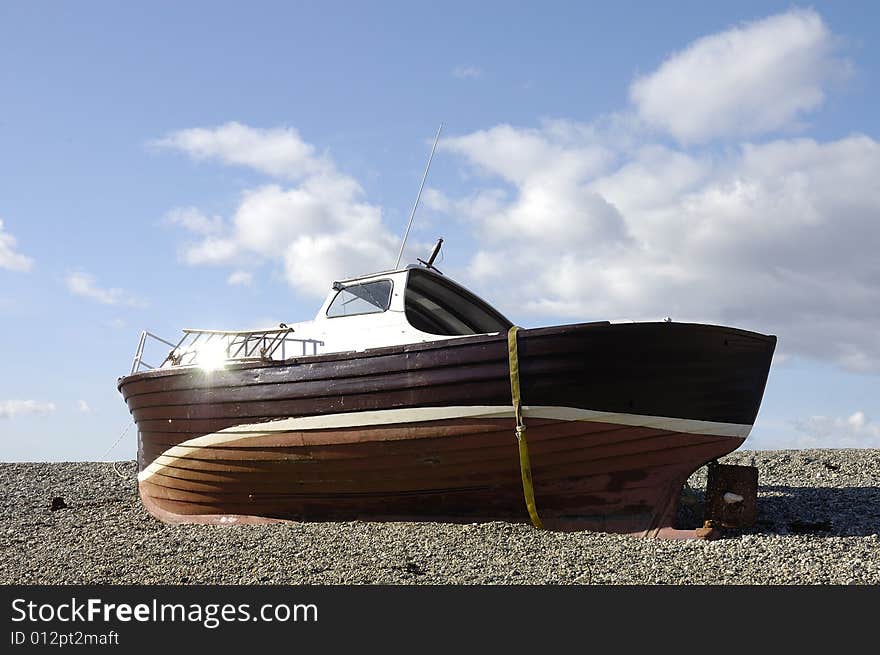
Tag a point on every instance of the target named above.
point(418, 197)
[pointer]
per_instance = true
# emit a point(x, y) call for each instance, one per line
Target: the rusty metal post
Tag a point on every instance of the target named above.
point(731, 495)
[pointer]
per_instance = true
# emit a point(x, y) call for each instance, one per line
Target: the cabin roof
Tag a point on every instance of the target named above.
point(392, 271)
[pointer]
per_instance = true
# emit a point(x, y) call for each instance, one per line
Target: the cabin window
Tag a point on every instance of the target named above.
point(367, 298)
point(438, 306)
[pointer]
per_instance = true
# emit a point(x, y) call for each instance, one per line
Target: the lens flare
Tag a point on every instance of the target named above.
point(211, 356)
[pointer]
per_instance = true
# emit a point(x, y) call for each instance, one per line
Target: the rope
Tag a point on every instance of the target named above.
point(524, 465)
point(116, 443)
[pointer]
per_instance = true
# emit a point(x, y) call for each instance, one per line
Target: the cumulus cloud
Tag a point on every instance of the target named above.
point(9, 258)
point(548, 170)
point(605, 220)
point(319, 229)
point(214, 250)
point(279, 152)
point(748, 80)
point(854, 431)
point(240, 278)
point(194, 220)
point(467, 72)
point(83, 407)
point(15, 408)
point(85, 285)
point(779, 236)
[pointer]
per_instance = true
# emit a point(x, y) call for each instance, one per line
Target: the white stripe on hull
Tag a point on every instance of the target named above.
point(421, 414)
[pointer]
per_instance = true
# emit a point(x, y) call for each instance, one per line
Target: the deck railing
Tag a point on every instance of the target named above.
point(196, 347)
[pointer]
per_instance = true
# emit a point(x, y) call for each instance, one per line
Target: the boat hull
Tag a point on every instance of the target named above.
point(618, 416)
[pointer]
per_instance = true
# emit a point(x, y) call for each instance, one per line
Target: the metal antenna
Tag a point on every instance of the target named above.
point(418, 197)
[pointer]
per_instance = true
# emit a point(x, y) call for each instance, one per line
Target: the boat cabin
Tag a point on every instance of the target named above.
point(395, 307)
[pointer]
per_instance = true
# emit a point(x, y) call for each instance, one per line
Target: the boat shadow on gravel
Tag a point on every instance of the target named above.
point(785, 510)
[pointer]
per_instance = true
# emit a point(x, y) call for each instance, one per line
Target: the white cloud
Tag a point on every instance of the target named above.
point(15, 408)
point(588, 221)
point(854, 431)
point(747, 80)
point(213, 250)
point(9, 259)
point(778, 237)
point(515, 154)
point(85, 285)
point(279, 152)
point(467, 72)
point(319, 230)
point(435, 199)
point(240, 278)
point(83, 407)
point(194, 220)
point(548, 168)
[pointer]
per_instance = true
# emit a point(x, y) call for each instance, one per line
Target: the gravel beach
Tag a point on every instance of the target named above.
point(818, 523)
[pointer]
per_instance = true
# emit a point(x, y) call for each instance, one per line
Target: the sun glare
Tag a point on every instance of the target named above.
point(211, 356)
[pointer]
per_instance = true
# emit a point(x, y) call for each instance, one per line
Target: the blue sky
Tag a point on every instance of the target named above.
point(216, 165)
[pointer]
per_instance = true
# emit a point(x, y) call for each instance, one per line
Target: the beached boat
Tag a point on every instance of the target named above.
point(400, 401)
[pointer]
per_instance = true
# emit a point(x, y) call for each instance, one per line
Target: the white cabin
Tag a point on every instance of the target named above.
point(408, 305)
point(397, 307)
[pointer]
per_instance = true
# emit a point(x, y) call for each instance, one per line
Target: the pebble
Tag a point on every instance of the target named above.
point(810, 529)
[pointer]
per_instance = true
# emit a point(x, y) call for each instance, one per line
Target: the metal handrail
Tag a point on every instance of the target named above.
point(238, 345)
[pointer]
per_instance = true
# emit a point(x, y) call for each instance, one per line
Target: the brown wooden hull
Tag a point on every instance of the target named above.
point(587, 475)
point(620, 473)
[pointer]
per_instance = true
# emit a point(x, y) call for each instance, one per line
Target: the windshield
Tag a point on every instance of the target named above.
point(367, 298)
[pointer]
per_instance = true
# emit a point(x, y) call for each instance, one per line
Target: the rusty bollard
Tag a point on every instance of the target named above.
point(731, 495)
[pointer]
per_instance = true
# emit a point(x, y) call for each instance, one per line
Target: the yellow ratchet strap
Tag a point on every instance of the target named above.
point(524, 466)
